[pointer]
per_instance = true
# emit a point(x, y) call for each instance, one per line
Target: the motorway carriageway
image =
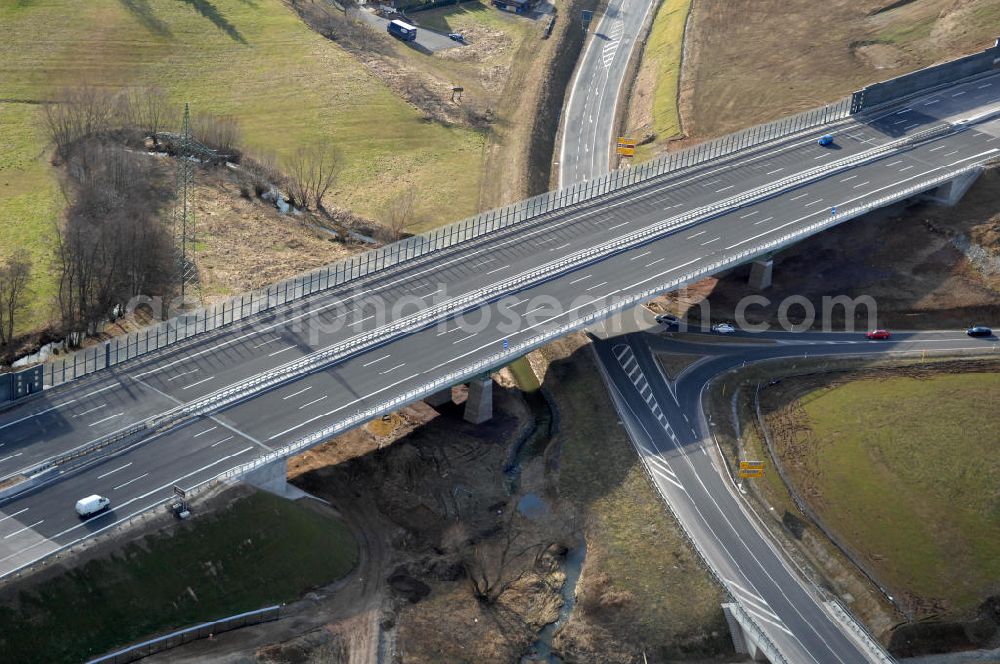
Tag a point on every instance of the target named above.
point(668, 427)
point(38, 522)
point(85, 410)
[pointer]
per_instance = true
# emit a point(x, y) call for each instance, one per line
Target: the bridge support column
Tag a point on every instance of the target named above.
point(745, 640)
point(951, 192)
point(272, 477)
point(439, 398)
point(760, 274)
point(479, 404)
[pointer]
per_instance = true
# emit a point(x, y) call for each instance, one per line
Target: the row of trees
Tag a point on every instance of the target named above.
point(115, 241)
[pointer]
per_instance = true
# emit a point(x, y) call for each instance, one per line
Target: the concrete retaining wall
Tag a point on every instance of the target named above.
point(923, 79)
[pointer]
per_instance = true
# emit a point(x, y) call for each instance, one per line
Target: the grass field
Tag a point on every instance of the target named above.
point(654, 103)
point(257, 61)
point(905, 470)
point(261, 550)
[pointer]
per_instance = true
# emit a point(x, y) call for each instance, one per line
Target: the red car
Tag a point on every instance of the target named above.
point(878, 334)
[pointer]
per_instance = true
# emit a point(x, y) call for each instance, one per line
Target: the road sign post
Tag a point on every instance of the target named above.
point(626, 146)
point(588, 16)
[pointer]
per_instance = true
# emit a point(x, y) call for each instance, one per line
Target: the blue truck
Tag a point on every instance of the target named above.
point(401, 30)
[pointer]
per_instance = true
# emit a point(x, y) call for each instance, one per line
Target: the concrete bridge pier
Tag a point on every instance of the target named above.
point(479, 404)
point(951, 192)
point(745, 639)
point(761, 273)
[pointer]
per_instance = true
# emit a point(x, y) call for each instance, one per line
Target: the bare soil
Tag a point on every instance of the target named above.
point(749, 61)
point(674, 364)
point(425, 492)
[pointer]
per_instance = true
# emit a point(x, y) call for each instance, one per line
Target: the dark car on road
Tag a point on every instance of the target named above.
point(670, 320)
point(878, 334)
point(979, 331)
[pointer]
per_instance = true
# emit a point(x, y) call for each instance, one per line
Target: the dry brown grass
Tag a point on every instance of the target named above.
point(674, 364)
point(905, 259)
point(244, 244)
point(643, 589)
point(748, 61)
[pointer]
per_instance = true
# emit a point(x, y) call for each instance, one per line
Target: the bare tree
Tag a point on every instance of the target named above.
point(147, 110)
point(83, 112)
point(114, 243)
point(14, 275)
point(399, 212)
point(312, 172)
point(257, 174)
point(220, 133)
point(494, 565)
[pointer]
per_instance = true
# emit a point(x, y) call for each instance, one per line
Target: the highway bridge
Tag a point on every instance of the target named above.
point(257, 390)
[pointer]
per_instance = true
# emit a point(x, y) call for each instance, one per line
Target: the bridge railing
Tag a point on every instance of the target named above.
point(317, 360)
point(253, 303)
point(504, 356)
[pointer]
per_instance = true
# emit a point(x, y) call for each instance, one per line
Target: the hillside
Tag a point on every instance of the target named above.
point(287, 86)
point(749, 61)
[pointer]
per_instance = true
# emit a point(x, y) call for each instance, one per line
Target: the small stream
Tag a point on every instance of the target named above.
point(541, 649)
point(533, 506)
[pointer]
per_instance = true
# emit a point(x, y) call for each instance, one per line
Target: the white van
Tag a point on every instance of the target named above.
point(91, 505)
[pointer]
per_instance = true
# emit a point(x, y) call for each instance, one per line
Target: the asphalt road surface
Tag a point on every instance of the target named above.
point(62, 418)
point(589, 116)
point(666, 433)
point(669, 429)
point(427, 40)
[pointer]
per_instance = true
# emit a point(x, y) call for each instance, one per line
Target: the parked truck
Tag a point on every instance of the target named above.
point(401, 30)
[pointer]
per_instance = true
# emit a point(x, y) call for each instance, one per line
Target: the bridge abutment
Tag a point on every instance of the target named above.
point(271, 477)
point(952, 191)
point(745, 641)
point(761, 273)
point(479, 403)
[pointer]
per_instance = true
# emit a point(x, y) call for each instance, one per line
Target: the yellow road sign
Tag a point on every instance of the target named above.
point(754, 473)
point(626, 146)
point(751, 465)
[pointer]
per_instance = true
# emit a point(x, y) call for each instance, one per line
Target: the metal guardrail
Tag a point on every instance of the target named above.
point(454, 306)
point(314, 361)
point(506, 356)
point(864, 637)
point(180, 637)
point(763, 640)
point(516, 350)
point(129, 346)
